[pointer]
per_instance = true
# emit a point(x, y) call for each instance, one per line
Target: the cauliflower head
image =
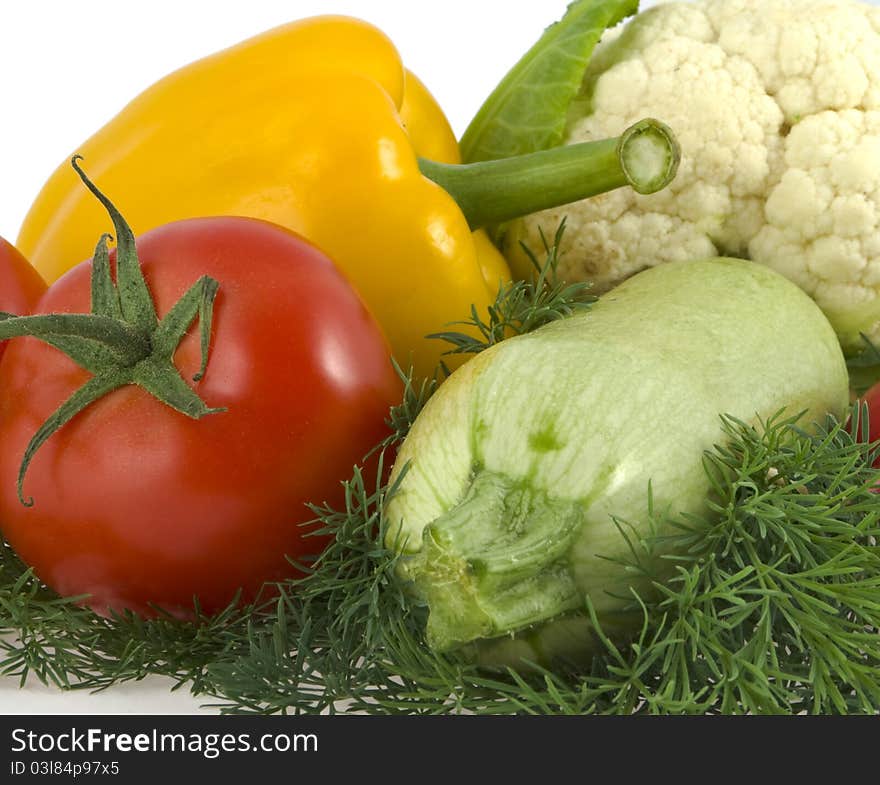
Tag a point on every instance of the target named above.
point(776, 104)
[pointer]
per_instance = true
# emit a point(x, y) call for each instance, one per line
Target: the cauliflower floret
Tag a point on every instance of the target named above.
point(822, 226)
point(776, 104)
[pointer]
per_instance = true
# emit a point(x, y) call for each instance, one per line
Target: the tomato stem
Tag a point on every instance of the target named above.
point(121, 341)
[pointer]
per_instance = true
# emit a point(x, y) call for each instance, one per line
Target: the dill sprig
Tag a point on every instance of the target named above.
point(772, 607)
point(524, 305)
point(59, 642)
point(769, 604)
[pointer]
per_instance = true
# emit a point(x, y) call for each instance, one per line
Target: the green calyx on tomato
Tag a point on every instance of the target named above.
point(122, 341)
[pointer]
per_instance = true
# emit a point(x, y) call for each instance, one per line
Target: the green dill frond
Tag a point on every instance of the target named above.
point(415, 396)
point(61, 643)
point(522, 306)
point(772, 607)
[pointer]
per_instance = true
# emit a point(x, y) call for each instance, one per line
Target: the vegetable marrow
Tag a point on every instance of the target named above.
point(530, 472)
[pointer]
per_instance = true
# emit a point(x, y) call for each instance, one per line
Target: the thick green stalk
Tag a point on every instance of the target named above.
point(496, 563)
point(644, 157)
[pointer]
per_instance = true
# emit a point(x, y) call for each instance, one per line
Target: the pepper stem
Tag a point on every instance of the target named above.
point(645, 157)
point(496, 563)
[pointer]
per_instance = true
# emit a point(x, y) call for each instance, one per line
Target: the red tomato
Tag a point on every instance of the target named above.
point(136, 504)
point(872, 399)
point(20, 284)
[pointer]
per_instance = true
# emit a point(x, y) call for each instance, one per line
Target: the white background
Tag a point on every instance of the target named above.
point(67, 67)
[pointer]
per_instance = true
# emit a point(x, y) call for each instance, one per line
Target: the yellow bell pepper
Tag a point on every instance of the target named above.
point(316, 126)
